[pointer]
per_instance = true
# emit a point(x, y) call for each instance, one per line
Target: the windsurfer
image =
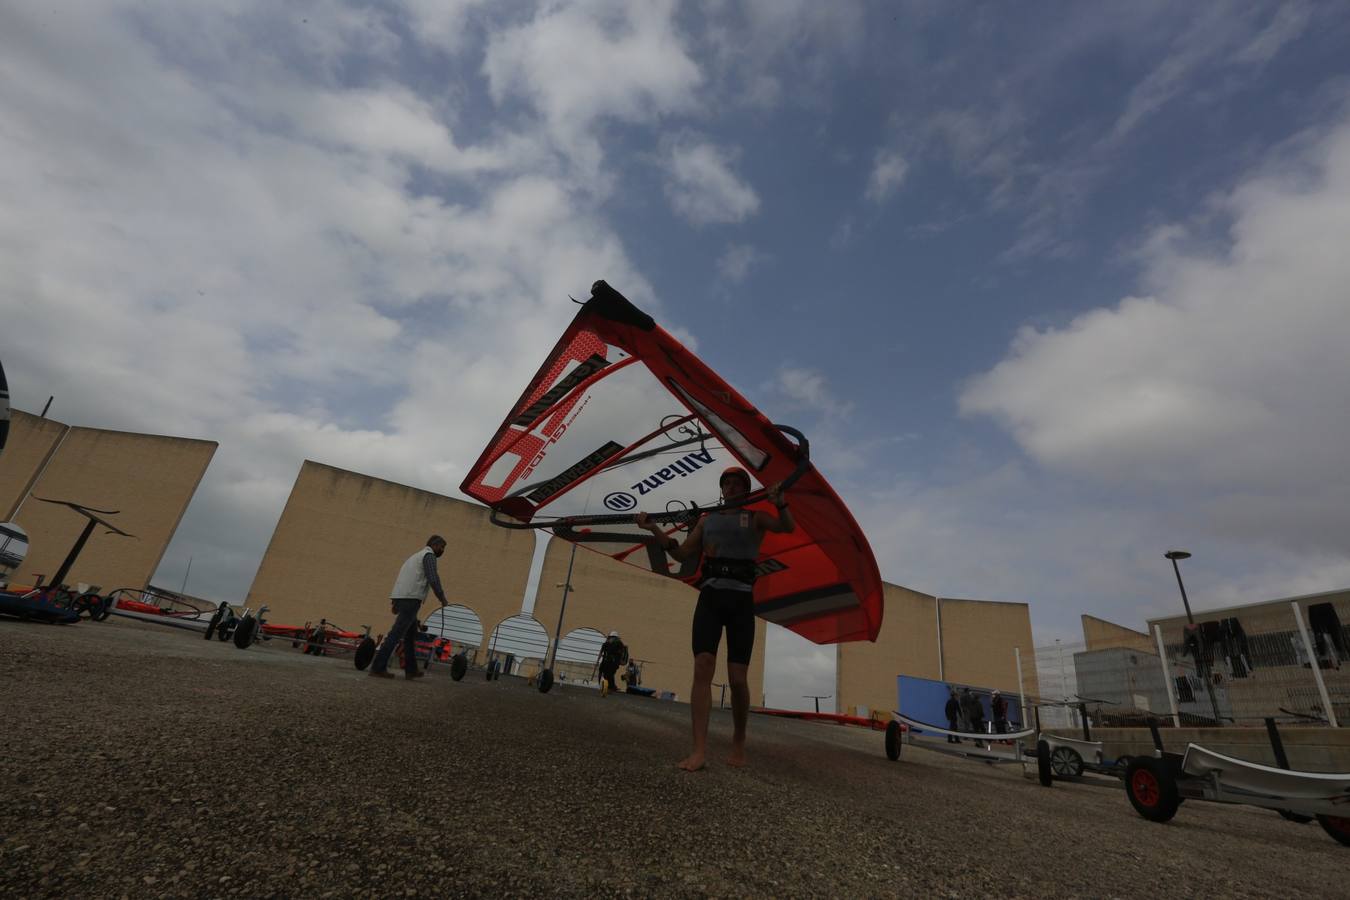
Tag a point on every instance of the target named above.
point(729, 543)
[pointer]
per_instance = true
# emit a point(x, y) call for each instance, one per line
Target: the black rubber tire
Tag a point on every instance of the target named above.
point(216, 619)
point(1338, 827)
point(365, 652)
point(545, 681)
point(84, 604)
point(459, 667)
point(893, 740)
point(1065, 761)
point(245, 632)
point(1152, 789)
point(1296, 818)
point(1044, 772)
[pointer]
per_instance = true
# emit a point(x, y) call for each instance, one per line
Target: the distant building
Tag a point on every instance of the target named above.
point(969, 642)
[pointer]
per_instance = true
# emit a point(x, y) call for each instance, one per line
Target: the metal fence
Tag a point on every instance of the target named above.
point(1285, 660)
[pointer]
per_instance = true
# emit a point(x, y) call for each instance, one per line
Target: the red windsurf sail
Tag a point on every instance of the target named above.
point(620, 418)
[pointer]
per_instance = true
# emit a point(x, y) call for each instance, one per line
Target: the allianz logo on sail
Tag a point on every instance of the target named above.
point(622, 501)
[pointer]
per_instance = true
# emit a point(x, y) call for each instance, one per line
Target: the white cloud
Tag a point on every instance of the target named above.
point(580, 63)
point(888, 173)
point(1226, 380)
point(703, 189)
point(442, 23)
point(735, 264)
point(187, 254)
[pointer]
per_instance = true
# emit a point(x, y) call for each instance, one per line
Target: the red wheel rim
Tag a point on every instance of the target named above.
point(1145, 787)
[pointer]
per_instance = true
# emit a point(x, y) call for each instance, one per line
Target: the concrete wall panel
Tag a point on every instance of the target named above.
point(342, 537)
point(31, 442)
point(149, 478)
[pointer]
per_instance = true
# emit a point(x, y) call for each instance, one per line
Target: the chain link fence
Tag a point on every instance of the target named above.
point(1285, 660)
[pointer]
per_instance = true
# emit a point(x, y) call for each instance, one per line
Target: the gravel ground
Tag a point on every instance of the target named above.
point(144, 762)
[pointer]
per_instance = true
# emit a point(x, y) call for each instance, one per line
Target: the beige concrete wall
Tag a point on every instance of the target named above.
point(149, 478)
point(978, 637)
point(1099, 634)
point(907, 645)
point(31, 441)
point(342, 537)
point(652, 614)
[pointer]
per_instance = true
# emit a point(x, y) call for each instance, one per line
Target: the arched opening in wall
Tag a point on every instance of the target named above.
point(13, 548)
point(519, 644)
point(577, 653)
point(461, 626)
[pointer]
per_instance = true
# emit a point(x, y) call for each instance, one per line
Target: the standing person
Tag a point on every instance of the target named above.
point(974, 711)
point(729, 544)
point(1000, 709)
point(953, 711)
point(417, 575)
point(613, 653)
point(632, 675)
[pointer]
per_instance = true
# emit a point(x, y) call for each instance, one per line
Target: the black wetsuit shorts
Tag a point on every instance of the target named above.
point(720, 608)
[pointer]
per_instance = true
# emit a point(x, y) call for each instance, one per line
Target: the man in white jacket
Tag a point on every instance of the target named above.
point(417, 575)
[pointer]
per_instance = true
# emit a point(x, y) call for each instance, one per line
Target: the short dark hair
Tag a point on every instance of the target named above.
point(435, 539)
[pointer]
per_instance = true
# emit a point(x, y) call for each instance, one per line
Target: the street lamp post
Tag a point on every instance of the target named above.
point(1201, 666)
point(562, 610)
point(1175, 555)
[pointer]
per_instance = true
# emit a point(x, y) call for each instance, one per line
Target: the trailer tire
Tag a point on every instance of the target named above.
point(1065, 762)
point(1152, 789)
point(1338, 827)
point(245, 632)
point(365, 652)
point(545, 681)
point(459, 667)
point(893, 740)
point(1044, 773)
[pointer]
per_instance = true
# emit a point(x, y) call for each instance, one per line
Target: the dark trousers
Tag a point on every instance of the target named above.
point(607, 673)
point(404, 629)
point(953, 726)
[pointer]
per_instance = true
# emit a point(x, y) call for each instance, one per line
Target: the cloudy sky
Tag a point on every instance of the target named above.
point(1052, 289)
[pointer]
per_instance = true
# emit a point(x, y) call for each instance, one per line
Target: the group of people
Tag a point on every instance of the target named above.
point(728, 543)
point(965, 713)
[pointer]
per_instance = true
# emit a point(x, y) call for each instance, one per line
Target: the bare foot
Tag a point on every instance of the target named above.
point(737, 757)
point(691, 763)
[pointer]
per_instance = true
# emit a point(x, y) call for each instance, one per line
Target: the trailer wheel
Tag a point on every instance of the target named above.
point(1045, 772)
point(226, 628)
point(1336, 826)
point(216, 619)
point(245, 632)
point(1152, 789)
point(1066, 763)
point(459, 666)
point(893, 740)
point(545, 681)
point(365, 652)
point(102, 609)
